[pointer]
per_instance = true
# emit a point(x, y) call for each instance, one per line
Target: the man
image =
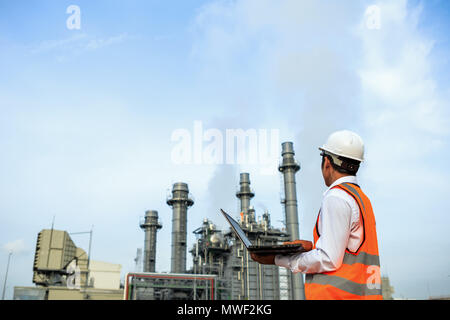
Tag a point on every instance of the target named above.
point(343, 261)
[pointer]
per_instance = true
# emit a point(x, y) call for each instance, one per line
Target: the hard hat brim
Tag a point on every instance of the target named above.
point(340, 155)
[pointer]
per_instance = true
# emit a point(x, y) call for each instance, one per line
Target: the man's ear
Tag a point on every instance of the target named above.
point(327, 163)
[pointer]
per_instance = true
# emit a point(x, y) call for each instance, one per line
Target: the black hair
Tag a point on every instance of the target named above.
point(348, 166)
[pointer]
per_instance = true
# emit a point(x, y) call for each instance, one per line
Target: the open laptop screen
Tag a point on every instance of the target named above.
point(238, 229)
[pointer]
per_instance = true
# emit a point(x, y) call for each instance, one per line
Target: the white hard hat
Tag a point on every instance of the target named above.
point(346, 144)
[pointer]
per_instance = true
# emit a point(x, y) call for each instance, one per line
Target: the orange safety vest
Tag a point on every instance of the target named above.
point(358, 278)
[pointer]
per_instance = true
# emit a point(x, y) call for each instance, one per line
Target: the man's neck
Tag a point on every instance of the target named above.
point(337, 176)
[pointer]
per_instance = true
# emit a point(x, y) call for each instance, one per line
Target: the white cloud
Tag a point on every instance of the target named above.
point(98, 43)
point(67, 43)
point(16, 247)
point(77, 44)
point(396, 75)
point(405, 114)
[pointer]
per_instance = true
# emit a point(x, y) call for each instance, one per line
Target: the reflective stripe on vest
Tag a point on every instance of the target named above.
point(359, 275)
point(359, 289)
point(362, 257)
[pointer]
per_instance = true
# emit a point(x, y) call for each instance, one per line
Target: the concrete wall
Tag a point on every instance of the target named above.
point(104, 275)
point(62, 293)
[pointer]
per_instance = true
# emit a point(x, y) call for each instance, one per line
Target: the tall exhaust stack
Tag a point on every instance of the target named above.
point(150, 225)
point(288, 168)
point(179, 201)
point(245, 193)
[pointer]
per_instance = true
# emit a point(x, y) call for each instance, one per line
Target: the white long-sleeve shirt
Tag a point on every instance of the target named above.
point(339, 228)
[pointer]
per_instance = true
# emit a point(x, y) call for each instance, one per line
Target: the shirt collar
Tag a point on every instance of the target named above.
point(350, 179)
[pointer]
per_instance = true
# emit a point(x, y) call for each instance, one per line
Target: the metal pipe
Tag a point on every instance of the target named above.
point(89, 257)
point(179, 201)
point(6, 276)
point(248, 275)
point(288, 168)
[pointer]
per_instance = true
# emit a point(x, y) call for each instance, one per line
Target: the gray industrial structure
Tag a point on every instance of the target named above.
point(62, 271)
point(289, 166)
point(180, 202)
point(245, 193)
point(150, 225)
point(55, 254)
point(219, 254)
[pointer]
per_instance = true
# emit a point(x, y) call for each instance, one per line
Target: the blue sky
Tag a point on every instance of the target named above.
point(86, 118)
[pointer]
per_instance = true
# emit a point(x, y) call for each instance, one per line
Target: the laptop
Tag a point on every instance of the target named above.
point(273, 249)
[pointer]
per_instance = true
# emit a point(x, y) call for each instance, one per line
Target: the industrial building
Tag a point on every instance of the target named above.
point(222, 267)
point(62, 271)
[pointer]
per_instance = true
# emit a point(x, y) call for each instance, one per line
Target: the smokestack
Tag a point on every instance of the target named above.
point(179, 202)
point(288, 168)
point(245, 193)
point(150, 225)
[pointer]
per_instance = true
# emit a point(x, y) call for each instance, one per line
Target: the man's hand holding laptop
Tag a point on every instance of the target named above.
point(270, 258)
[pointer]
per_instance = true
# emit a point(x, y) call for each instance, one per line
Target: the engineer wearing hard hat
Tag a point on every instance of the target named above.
point(343, 261)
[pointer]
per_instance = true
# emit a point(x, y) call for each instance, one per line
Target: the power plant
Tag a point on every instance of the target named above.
point(222, 267)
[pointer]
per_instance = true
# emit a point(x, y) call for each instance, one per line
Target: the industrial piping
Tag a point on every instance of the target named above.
point(288, 168)
point(179, 201)
point(150, 225)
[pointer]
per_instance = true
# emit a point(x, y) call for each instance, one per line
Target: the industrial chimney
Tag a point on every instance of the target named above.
point(150, 225)
point(179, 201)
point(245, 193)
point(288, 168)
